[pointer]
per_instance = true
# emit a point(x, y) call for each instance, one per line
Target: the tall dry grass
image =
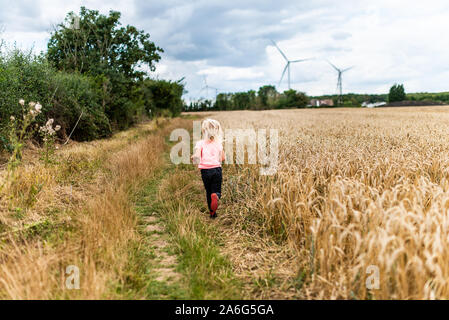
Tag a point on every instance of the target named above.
point(77, 212)
point(355, 188)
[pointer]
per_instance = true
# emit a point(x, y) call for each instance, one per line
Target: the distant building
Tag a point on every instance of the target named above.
point(322, 103)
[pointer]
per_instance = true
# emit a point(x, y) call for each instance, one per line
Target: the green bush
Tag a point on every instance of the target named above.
point(74, 94)
point(23, 76)
point(62, 95)
point(162, 97)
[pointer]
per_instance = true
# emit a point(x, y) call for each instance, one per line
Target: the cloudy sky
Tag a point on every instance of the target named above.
point(228, 41)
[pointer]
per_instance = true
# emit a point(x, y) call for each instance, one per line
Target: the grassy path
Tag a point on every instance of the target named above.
point(178, 256)
point(153, 264)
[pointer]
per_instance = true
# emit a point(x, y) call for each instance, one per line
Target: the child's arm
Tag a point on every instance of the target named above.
point(196, 157)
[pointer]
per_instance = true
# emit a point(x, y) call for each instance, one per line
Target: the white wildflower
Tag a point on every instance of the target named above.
point(22, 102)
point(12, 118)
point(38, 107)
point(32, 104)
point(58, 127)
point(49, 122)
point(50, 131)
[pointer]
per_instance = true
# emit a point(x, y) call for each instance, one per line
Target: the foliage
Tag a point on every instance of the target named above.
point(115, 56)
point(427, 96)
point(22, 76)
point(100, 46)
point(224, 101)
point(76, 94)
point(63, 96)
point(292, 99)
point(160, 95)
point(204, 105)
point(93, 78)
point(265, 98)
point(397, 93)
point(354, 99)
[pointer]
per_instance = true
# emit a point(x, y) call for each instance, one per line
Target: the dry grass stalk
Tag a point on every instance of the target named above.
point(90, 188)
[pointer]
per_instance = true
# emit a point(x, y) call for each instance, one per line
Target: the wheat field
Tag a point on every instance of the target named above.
point(358, 209)
point(358, 193)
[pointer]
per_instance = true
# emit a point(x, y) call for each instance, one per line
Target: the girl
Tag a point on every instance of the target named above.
point(208, 154)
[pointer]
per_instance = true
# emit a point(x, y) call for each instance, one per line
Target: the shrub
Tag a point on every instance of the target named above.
point(162, 97)
point(75, 93)
point(22, 76)
point(63, 96)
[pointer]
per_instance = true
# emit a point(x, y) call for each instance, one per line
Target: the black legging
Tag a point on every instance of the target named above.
point(212, 182)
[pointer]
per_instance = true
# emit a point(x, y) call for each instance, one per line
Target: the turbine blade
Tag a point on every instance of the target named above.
point(347, 69)
point(285, 57)
point(301, 60)
point(283, 73)
point(333, 66)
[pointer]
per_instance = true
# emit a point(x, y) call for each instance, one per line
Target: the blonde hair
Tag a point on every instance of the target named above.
point(211, 130)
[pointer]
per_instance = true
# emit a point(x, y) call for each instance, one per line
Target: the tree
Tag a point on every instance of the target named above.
point(162, 97)
point(223, 101)
point(241, 100)
point(292, 99)
point(397, 93)
point(115, 56)
point(252, 100)
point(267, 95)
point(98, 45)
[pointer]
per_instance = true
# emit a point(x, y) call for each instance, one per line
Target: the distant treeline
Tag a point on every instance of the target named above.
point(94, 67)
point(425, 96)
point(266, 97)
point(356, 100)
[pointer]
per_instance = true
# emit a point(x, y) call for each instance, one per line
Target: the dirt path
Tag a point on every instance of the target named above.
point(183, 254)
point(159, 262)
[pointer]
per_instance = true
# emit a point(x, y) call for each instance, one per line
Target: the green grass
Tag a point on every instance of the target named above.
point(177, 199)
point(209, 273)
point(143, 263)
point(195, 236)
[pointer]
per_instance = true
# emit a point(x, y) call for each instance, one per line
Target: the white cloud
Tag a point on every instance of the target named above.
point(231, 73)
point(387, 41)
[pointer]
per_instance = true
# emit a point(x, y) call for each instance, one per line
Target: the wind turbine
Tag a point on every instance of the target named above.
point(207, 87)
point(287, 66)
point(339, 82)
